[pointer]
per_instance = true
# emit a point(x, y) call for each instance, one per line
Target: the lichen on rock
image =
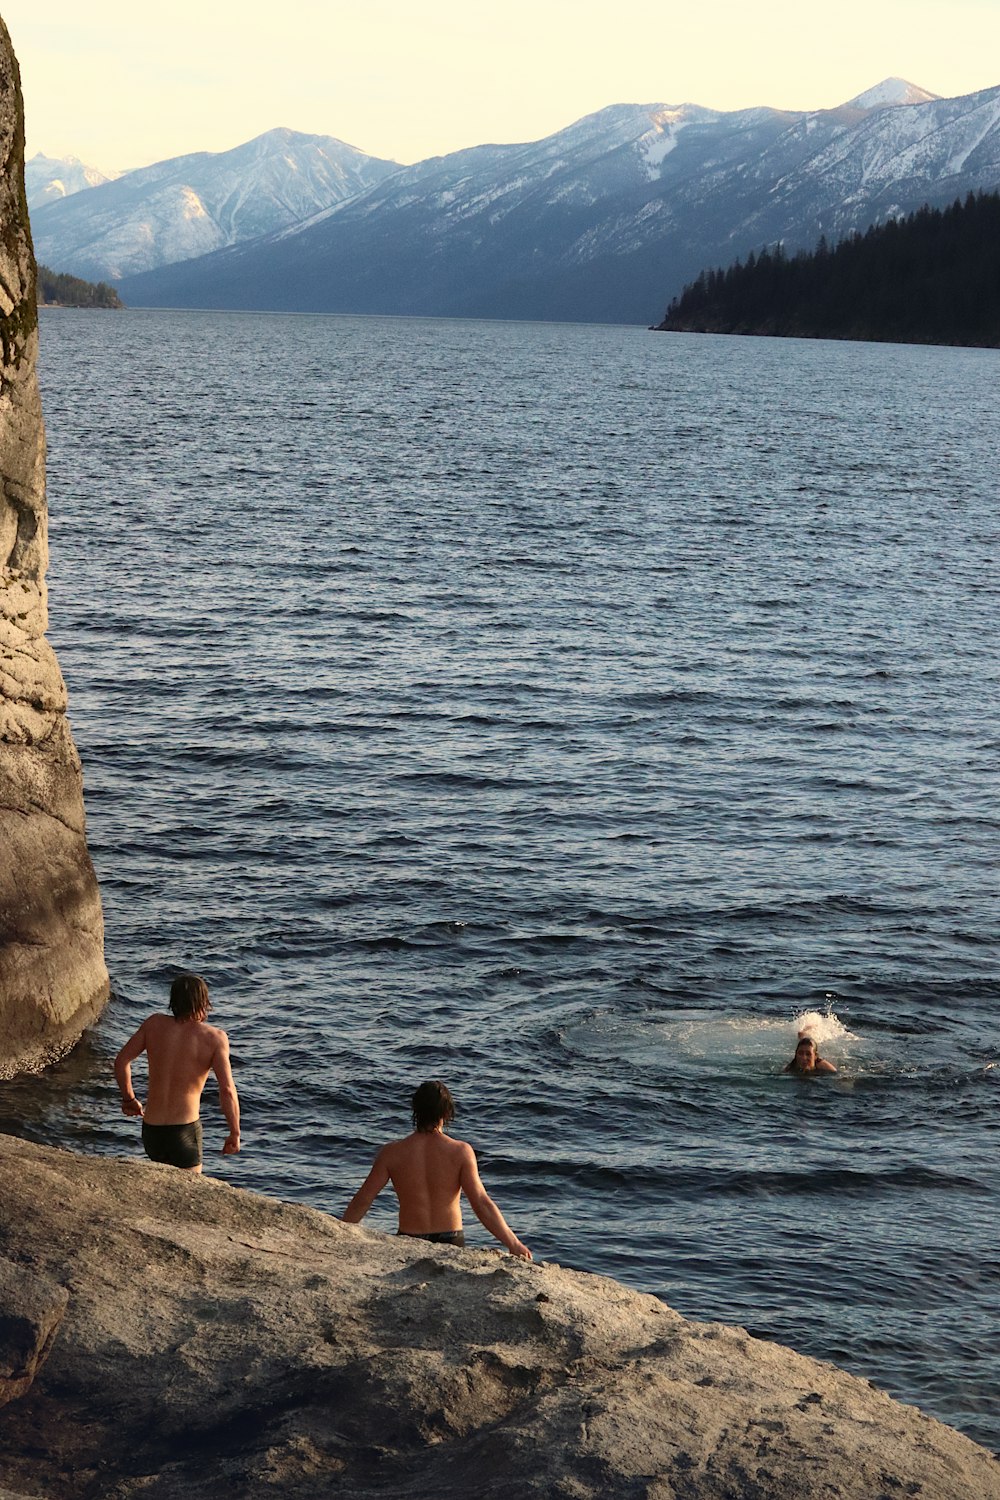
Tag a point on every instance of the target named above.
point(52, 975)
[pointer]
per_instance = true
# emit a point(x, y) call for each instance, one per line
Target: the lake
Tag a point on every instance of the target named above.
point(565, 712)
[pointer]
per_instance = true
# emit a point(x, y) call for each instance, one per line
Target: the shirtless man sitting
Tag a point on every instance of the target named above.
point(429, 1172)
point(181, 1051)
point(807, 1058)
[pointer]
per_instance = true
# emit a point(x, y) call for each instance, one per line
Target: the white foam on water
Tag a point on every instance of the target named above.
point(698, 1039)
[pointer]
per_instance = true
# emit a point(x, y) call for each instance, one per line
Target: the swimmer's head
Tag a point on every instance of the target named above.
point(804, 1045)
point(189, 998)
point(432, 1106)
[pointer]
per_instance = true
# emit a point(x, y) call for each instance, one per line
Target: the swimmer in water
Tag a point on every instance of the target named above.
point(807, 1058)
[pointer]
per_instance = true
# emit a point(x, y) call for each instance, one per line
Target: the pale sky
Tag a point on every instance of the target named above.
point(120, 83)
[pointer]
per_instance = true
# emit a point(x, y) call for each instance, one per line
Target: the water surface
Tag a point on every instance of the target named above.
point(562, 711)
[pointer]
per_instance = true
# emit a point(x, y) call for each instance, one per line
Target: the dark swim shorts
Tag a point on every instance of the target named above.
point(439, 1237)
point(176, 1145)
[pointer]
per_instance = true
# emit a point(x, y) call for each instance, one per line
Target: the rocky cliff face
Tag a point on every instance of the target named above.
point(52, 975)
point(165, 1337)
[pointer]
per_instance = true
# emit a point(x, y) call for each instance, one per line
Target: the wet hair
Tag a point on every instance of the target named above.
point(432, 1106)
point(189, 998)
point(806, 1041)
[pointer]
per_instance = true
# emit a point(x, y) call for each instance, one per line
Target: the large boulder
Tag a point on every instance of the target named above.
point(52, 976)
point(220, 1343)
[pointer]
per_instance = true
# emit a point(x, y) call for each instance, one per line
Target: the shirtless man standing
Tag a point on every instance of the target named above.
point(181, 1051)
point(429, 1172)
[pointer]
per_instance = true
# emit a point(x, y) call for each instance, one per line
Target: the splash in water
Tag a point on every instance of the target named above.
point(822, 1027)
point(703, 1040)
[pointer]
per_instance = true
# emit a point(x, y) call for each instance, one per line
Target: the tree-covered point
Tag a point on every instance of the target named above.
point(72, 291)
point(932, 278)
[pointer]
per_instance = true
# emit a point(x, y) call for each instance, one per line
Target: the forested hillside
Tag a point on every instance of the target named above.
point(72, 291)
point(932, 278)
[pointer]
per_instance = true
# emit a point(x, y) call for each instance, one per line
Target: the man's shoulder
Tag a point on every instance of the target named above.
point(418, 1141)
point(214, 1034)
point(444, 1142)
point(395, 1148)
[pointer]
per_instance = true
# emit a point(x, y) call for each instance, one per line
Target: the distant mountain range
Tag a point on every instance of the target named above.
point(191, 205)
point(603, 221)
point(48, 179)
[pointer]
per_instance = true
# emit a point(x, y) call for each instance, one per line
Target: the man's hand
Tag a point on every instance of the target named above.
point(131, 1106)
point(521, 1251)
point(231, 1145)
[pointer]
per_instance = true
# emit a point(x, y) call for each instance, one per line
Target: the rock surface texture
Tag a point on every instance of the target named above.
point(31, 1309)
point(220, 1343)
point(52, 975)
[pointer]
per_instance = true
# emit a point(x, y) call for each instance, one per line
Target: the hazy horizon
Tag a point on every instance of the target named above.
point(138, 166)
point(119, 89)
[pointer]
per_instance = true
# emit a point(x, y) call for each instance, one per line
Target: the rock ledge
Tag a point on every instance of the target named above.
point(217, 1342)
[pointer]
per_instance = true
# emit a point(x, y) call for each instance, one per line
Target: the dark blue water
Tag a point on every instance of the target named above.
point(562, 711)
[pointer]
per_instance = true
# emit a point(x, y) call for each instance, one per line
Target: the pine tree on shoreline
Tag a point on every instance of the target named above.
point(933, 277)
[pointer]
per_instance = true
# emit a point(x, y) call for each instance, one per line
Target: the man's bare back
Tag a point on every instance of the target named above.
point(429, 1172)
point(181, 1050)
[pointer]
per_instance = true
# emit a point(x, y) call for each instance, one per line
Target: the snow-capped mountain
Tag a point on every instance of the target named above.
point(606, 220)
point(890, 162)
point(191, 205)
point(892, 91)
point(486, 230)
point(48, 178)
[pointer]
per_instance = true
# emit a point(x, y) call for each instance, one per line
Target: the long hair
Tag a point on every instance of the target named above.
point(189, 998)
point(432, 1106)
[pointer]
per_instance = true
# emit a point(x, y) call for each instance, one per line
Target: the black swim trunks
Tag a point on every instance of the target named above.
point(439, 1237)
point(176, 1145)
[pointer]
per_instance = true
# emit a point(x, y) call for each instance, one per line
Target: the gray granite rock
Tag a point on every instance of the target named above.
point(52, 975)
point(220, 1343)
point(31, 1309)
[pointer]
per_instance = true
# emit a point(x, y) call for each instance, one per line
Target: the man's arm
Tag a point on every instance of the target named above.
point(228, 1098)
point(133, 1048)
point(368, 1191)
point(485, 1209)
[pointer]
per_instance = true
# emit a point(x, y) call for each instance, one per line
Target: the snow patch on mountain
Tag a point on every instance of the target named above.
point(192, 206)
point(656, 145)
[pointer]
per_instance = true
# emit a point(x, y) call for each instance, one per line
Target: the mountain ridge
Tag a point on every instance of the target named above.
point(194, 204)
point(604, 220)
